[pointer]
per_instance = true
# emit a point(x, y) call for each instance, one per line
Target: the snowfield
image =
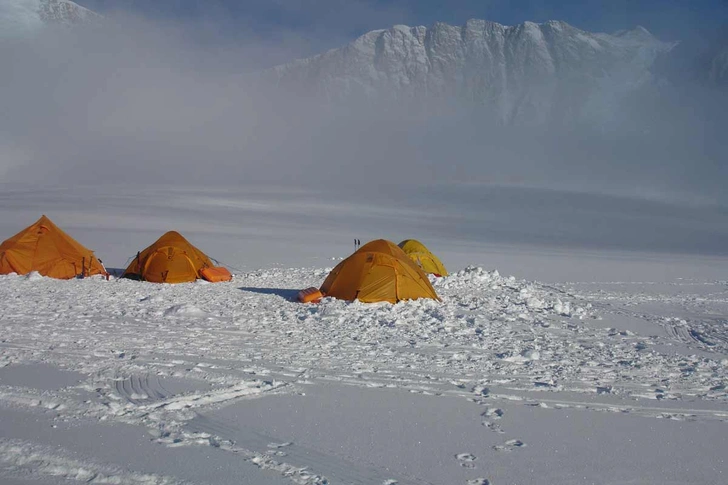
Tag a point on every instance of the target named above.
point(586, 165)
point(504, 381)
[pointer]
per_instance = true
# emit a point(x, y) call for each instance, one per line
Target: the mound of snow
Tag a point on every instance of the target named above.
point(184, 310)
point(34, 276)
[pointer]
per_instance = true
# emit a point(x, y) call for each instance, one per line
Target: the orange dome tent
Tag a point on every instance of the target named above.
point(378, 271)
point(172, 259)
point(45, 248)
point(422, 257)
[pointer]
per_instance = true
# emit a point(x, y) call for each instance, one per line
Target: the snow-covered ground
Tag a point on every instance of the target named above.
point(589, 366)
point(504, 381)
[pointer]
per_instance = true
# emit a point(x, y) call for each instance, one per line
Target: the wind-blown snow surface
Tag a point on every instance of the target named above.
point(504, 381)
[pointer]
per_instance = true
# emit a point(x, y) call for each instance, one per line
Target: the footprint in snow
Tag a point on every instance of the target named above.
point(279, 445)
point(492, 426)
point(478, 481)
point(466, 459)
point(493, 413)
point(509, 445)
point(276, 448)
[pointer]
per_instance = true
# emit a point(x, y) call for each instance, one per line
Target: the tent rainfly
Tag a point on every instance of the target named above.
point(422, 256)
point(378, 271)
point(172, 259)
point(45, 248)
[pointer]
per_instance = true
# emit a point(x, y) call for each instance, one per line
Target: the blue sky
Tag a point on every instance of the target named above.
point(328, 23)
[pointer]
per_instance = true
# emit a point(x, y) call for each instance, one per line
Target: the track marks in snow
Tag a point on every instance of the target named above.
point(317, 467)
point(711, 334)
point(493, 413)
point(513, 331)
point(466, 460)
point(137, 389)
point(276, 448)
point(218, 396)
point(509, 445)
point(520, 337)
point(652, 411)
point(33, 461)
point(490, 416)
point(492, 426)
point(689, 313)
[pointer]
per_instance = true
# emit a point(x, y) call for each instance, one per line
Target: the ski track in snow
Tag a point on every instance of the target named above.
point(32, 461)
point(162, 356)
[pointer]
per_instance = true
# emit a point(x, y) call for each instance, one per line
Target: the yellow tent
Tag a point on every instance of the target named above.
point(422, 256)
point(45, 248)
point(172, 259)
point(378, 271)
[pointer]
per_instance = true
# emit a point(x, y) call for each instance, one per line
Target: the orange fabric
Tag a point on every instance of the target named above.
point(171, 259)
point(378, 271)
point(45, 248)
point(310, 295)
point(216, 274)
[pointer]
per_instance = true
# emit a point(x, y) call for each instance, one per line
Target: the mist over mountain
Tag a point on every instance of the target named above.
point(528, 74)
point(700, 61)
point(545, 106)
point(529, 105)
point(20, 18)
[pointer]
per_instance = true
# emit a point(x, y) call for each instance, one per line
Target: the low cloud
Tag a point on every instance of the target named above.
point(135, 102)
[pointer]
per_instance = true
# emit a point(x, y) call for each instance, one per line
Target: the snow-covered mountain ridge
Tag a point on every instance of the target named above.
point(524, 73)
point(24, 17)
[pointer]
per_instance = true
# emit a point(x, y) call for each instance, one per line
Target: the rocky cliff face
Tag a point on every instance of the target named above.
point(63, 12)
point(525, 74)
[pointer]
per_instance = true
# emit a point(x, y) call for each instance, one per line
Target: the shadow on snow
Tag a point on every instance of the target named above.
point(285, 293)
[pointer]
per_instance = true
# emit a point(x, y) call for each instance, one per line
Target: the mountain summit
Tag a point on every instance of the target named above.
point(19, 18)
point(523, 74)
